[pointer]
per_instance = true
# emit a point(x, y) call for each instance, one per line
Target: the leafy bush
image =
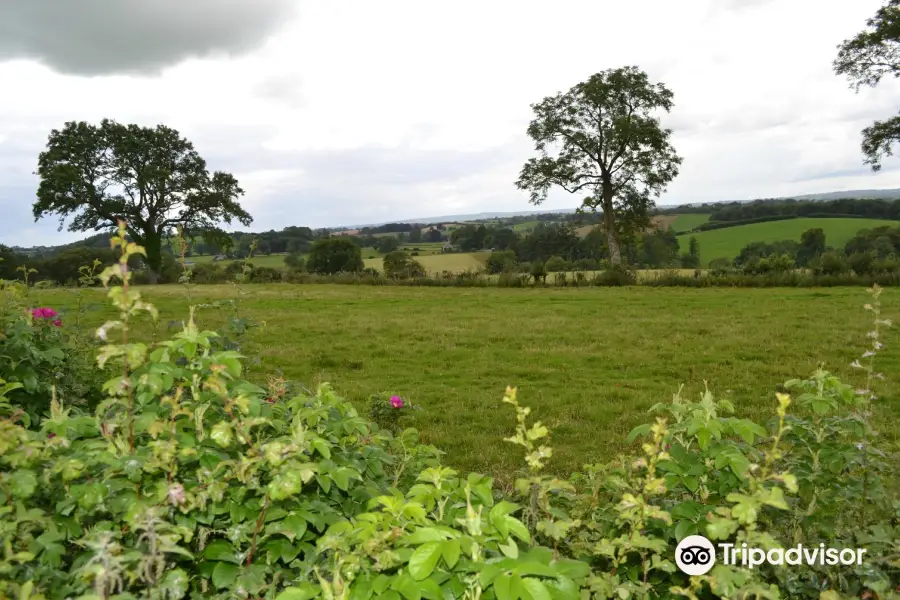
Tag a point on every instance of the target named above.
point(294, 261)
point(265, 275)
point(539, 271)
point(188, 481)
point(40, 354)
point(387, 410)
point(335, 255)
point(587, 264)
point(556, 264)
point(616, 275)
point(830, 263)
point(861, 263)
point(721, 266)
point(501, 261)
point(399, 265)
point(208, 273)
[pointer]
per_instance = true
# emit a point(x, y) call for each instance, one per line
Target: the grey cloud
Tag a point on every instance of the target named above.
point(99, 37)
point(740, 4)
point(282, 88)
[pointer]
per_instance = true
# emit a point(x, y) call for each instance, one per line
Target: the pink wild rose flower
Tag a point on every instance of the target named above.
point(396, 401)
point(46, 313)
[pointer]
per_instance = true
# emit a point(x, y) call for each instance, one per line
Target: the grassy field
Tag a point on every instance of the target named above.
point(687, 222)
point(727, 242)
point(435, 263)
point(589, 362)
point(276, 261)
point(524, 227)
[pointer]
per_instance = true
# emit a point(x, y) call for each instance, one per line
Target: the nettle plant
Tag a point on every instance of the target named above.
point(188, 481)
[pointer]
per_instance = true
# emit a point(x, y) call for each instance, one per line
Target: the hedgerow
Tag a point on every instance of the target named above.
point(189, 481)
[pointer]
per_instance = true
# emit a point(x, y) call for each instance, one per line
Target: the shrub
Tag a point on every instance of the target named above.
point(501, 261)
point(387, 244)
point(861, 263)
point(265, 275)
point(208, 273)
point(539, 271)
point(830, 263)
point(335, 255)
point(398, 265)
point(387, 410)
point(587, 264)
point(616, 275)
point(556, 264)
point(42, 357)
point(191, 482)
point(295, 262)
point(721, 266)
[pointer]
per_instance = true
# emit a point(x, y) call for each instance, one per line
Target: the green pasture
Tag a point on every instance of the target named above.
point(589, 361)
point(727, 242)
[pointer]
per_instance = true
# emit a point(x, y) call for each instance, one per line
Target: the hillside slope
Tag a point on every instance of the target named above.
point(727, 243)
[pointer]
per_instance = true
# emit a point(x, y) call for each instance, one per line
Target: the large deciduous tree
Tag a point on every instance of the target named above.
point(151, 178)
point(865, 59)
point(604, 137)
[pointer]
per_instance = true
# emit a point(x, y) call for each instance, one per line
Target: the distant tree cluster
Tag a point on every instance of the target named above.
point(847, 207)
point(870, 251)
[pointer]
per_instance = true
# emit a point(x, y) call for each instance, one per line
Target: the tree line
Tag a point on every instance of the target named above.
point(601, 140)
point(845, 207)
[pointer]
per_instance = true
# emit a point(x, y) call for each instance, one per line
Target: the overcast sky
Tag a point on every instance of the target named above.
point(350, 111)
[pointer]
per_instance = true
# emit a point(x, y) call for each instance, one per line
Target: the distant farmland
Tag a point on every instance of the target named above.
point(687, 222)
point(727, 242)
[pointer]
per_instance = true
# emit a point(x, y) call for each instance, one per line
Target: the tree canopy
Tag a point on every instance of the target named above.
point(603, 137)
point(865, 60)
point(151, 178)
point(334, 255)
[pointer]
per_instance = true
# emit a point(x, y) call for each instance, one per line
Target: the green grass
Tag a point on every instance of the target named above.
point(589, 362)
point(727, 242)
point(275, 261)
point(524, 227)
point(687, 222)
point(457, 262)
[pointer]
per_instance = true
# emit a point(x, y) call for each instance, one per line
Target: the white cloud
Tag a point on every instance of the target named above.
point(357, 111)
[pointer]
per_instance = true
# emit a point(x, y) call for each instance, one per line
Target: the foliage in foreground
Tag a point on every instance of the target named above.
point(189, 481)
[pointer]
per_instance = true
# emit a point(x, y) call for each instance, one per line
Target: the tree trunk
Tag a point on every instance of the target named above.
point(609, 224)
point(153, 248)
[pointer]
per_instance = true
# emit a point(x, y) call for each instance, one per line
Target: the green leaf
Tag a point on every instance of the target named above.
point(222, 434)
point(220, 550)
point(293, 527)
point(431, 590)
point(518, 529)
point(638, 431)
point(305, 591)
point(425, 534)
point(224, 574)
point(407, 587)
point(323, 447)
point(23, 483)
point(502, 587)
point(451, 551)
point(536, 589)
point(424, 559)
point(509, 549)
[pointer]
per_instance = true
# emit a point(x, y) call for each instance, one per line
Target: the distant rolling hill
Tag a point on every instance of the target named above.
point(727, 243)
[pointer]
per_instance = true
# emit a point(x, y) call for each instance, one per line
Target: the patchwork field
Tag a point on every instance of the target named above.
point(589, 362)
point(687, 222)
point(727, 242)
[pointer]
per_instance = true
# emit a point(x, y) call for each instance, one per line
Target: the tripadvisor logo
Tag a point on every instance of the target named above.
point(696, 555)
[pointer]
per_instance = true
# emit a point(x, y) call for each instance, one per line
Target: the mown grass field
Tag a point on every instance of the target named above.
point(589, 362)
point(457, 262)
point(727, 242)
point(687, 222)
